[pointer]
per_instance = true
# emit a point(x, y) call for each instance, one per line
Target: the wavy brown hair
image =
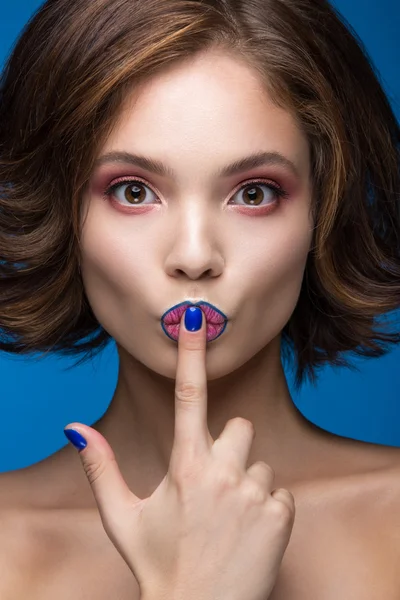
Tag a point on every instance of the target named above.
point(62, 89)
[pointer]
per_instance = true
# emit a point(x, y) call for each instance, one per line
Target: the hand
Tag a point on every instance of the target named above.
point(212, 529)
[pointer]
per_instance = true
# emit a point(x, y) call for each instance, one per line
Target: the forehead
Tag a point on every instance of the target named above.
point(212, 104)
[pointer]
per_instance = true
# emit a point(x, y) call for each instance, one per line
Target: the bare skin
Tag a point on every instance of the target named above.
point(189, 245)
point(343, 542)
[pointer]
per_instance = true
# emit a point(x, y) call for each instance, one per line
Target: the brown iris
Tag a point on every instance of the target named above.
point(135, 193)
point(254, 197)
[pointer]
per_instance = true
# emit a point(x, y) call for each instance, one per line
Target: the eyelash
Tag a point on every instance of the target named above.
point(279, 193)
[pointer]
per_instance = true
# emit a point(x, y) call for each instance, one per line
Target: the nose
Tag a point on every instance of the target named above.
point(194, 252)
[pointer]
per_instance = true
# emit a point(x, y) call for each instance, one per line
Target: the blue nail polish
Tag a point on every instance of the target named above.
point(76, 439)
point(193, 318)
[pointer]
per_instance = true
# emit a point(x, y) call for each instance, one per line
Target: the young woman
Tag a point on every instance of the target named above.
point(236, 156)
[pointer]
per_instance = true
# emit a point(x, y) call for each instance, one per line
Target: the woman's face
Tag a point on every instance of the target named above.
point(193, 233)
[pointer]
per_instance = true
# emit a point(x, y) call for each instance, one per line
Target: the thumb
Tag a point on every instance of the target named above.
point(112, 495)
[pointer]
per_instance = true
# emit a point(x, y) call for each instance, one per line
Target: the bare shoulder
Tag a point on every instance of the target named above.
point(358, 501)
point(381, 518)
point(385, 478)
point(376, 485)
point(35, 522)
point(16, 540)
point(374, 515)
point(389, 502)
point(53, 546)
point(42, 541)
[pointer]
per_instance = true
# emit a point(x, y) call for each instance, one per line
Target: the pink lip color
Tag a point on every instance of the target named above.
point(212, 330)
point(216, 321)
point(175, 315)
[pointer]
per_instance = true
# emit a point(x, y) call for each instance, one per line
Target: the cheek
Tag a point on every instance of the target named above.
point(114, 261)
point(274, 280)
point(113, 282)
point(281, 257)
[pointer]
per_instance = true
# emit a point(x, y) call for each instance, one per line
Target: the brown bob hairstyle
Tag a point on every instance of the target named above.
point(62, 88)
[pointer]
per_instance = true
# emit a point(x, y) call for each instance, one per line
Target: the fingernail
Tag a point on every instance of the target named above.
point(193, 318)
point(76, 439)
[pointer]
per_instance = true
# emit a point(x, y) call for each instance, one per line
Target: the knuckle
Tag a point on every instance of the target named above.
point(187, 391)
point(94, 471)
point(282, 511)
point(184, 474)
point(254, 492)
point(185, 482)
point(244, 424)
point(193, 343)
point(181, 479)
point(226, 479)
point(267, 468)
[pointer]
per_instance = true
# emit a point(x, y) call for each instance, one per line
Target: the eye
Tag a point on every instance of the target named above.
point(133, 191)
point(252, 196)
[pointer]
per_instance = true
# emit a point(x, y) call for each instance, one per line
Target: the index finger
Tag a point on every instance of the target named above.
point(191, 430)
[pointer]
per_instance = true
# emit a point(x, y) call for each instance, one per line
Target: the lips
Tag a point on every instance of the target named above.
point(216, 319)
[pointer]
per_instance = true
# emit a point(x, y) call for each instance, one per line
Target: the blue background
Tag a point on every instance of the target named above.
point(39, 398)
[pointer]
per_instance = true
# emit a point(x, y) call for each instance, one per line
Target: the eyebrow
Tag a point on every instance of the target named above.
point(157, 167)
